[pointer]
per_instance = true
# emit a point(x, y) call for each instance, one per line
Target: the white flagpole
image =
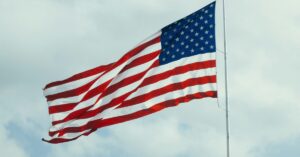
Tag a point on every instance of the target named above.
point(226, 83)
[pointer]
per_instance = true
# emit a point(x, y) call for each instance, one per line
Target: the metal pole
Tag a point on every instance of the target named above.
point(226, 83)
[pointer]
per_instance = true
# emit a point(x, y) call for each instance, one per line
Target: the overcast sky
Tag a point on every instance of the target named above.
point(47, 40)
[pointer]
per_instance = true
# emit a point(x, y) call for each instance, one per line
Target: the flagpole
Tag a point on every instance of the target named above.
point(226, 84)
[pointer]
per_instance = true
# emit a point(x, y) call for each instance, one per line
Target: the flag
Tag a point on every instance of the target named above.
point(175, 65)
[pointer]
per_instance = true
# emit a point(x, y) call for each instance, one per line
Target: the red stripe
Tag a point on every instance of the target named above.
point(135, 51)
point(95, 91)
point(157, 107)
point(169, 88)
point(73, 92)
point(141, 60)
point(147, 81)
point(153, 109)
point(178, 70)
point(129, 80)
point(61, 108)
point(79, 76)
point(65, 107)
point(62, 140)
point(73, 115)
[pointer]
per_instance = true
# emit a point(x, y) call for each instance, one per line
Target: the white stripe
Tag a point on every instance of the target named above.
point(159, 99)
point(67, 100)
point(70, 85)
point(174, 79)
point(133, 71)
point(62, 115)
point(155, 35)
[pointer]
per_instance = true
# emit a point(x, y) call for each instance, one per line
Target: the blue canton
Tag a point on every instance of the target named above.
point(192, 35)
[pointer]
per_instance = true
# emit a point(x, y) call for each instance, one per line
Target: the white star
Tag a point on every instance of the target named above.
point(192, 40)
point(206, 42)
point(201, 28)
point(211, 15)
point(202, 48)
point(182, 43)
point(177, 50)
point(211, 26)
point(201, 38)
point(182, 33)
point(197, 44)
point(177, 39)
point(196, 24)
point(201, 17)
point(172, 45)
point(182, 53)
point(211, 36)
point(206, 32)
point(187, 46)
point(196, 34)
point(206, 11)
point(174, 30)
point(173, 56)
point(186, 37)
point(164, 59)
point(186, 27)
point(170, 37)
point(192, 30)
point(205, 21)
point(211, 47)
point(168, 52)
point(166, 43)
point(192, 50)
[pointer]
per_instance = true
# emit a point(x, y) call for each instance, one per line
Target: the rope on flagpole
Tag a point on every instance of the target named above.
point(226, 83)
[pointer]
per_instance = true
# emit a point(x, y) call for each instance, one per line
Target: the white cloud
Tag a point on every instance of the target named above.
point(42, 41)
point(10, 147)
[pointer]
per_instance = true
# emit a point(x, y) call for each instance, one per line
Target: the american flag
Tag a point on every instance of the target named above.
point(175, 65)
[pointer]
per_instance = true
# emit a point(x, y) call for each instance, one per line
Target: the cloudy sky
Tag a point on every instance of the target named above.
point(47, 40)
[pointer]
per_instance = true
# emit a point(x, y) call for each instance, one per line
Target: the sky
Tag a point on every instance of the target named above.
point(47, 40)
